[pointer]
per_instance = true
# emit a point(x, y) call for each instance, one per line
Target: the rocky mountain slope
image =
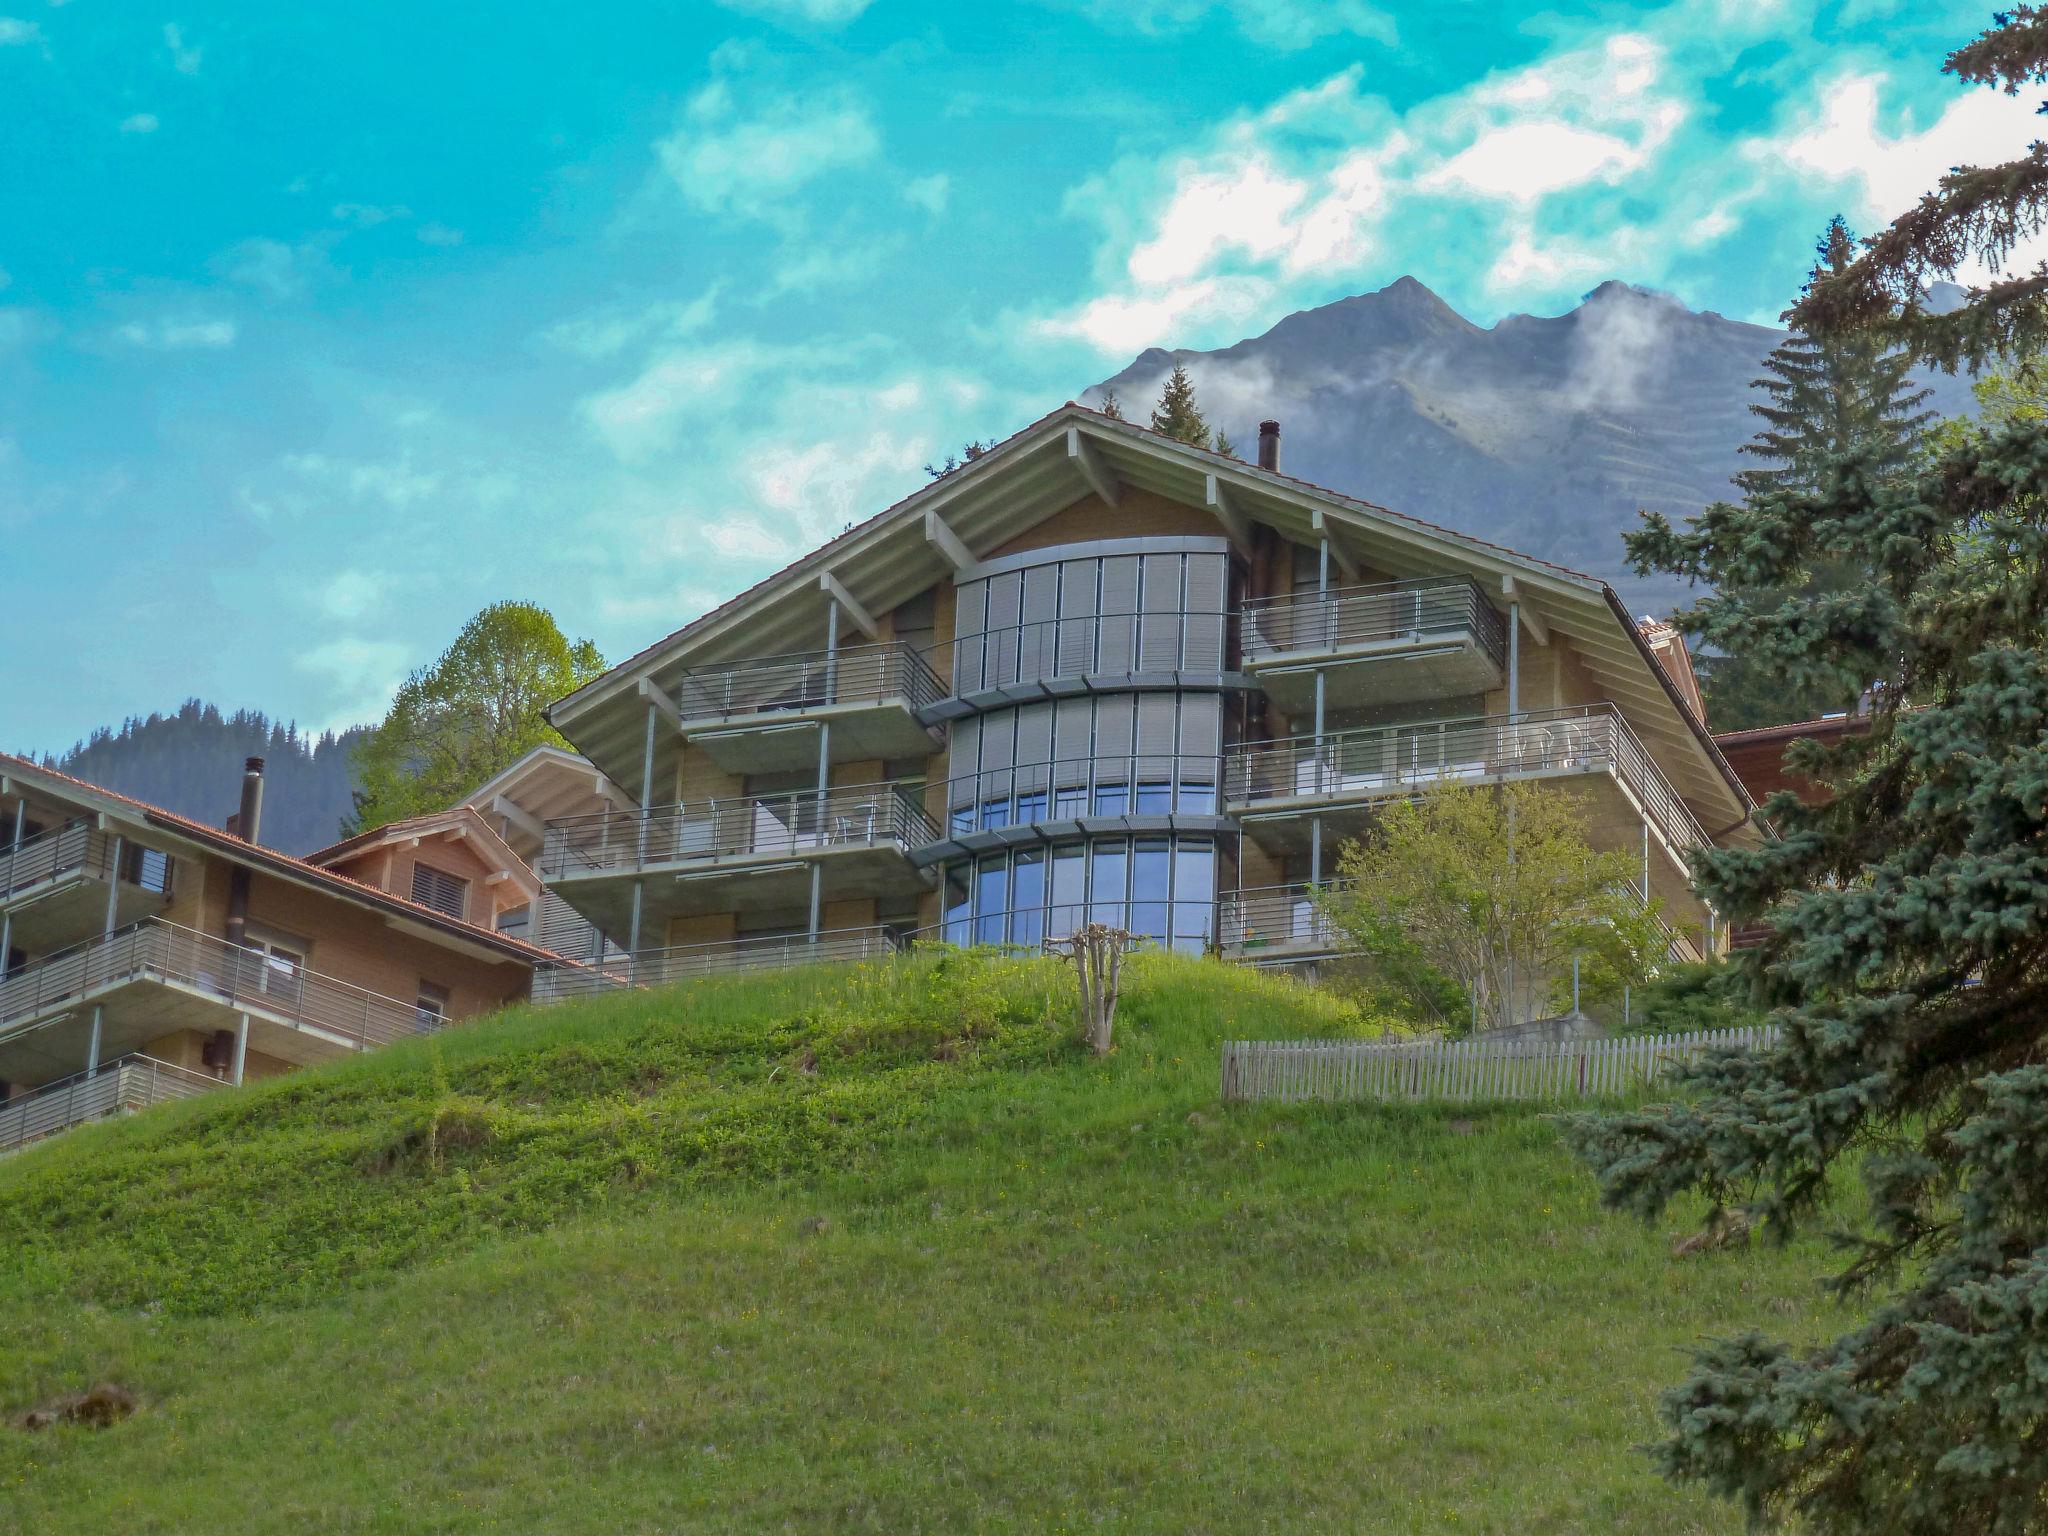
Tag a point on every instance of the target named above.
point(1544, 433)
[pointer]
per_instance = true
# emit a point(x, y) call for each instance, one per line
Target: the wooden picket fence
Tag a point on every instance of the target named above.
point(1289, 1071)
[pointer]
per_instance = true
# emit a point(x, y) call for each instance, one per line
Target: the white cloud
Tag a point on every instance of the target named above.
point(609, 332)
point(16, 33)
point(1117, 323)
point(645, 415)
point(168, 335)
point(1532, 160)
point(362, 675)
point(139, 122)
point(270, 267)
point(930, 193)
point(1286, 24)
point(397, 484)
point(185, 56)
point(351, 594)
point(728, 160)
point(368, 215)
point(814, 13)
point(1843, 144)
point(435, 233)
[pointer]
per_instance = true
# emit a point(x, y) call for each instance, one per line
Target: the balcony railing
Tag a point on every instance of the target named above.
point(1356, 618)
point(871, 674)
point(245, 980)
point(1279, 920)
point(1134, 784)
point(1402, 759)
point(65, 852)
point(133, 1082)
point(1085, 645)
point(867, 815)
point(724, 957)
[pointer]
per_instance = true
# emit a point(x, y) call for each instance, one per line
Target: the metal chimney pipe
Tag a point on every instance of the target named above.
point(249, 821)
point(1269, 445)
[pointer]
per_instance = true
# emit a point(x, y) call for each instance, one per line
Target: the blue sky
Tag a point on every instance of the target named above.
point(321, 327)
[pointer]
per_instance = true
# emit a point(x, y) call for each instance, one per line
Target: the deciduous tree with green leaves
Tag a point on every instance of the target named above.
point(1907, 965)
point(471, 714)
point(1488, 892)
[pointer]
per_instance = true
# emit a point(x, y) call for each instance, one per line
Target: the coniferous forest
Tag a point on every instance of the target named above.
point(191, 762)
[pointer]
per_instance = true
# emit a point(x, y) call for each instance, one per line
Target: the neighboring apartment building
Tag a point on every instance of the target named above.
point(1098, 674)
point(1758, 755)
point(140, 946)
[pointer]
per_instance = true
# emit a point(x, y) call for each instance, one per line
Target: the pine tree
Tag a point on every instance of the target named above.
point(1907, 962)
point(1110, 406)
point(1822, 397)
point(1177, 415)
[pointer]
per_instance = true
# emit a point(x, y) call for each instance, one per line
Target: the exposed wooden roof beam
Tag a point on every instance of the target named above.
point(947, 542)
point(1320, 525)
point(1081, 453)
point(864, 621)
point(519, 817)
point(664, 706)
point(1224, 505)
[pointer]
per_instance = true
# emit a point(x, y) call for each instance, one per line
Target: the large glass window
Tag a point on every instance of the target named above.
point(1161, 889)
point(1111, 613)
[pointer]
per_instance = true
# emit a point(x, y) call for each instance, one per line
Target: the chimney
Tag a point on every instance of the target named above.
point(248, 825)
point(1269, 445)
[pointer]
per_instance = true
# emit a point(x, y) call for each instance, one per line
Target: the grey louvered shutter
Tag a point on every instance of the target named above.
point(1117, 651)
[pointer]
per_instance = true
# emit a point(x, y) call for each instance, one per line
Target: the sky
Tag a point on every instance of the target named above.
point(321, 327)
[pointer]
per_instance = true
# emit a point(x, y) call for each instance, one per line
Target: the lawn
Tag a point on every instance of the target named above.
point(854, 1250)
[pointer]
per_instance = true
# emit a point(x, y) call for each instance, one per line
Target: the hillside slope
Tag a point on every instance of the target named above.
point(1544, 432)
point(868, 1250)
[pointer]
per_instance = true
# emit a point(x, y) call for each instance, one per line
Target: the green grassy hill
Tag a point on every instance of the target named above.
point(845, 1250)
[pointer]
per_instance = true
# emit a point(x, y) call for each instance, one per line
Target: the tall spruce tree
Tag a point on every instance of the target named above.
point(1907, 963)
point(1822, 397)
point(1177, 415)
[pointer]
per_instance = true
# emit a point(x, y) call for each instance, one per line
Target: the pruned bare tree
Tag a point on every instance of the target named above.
point(1098, 954)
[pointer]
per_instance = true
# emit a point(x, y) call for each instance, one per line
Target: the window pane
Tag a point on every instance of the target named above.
point(1194, 895)
point(1069, 891)
point(958, 905)
point(1027, 898)
point(1198, 799)
point(1111, 868)
point(990, 900)
point(1149, 887)
point(1155, 798)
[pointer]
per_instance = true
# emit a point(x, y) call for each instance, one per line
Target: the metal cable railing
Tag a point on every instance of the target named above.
point(722, 957)
point(245, 980)
point(865, 815)
point(868, 674)
point(1402, 759)
point(1349, 617)
point(130, 1083)
point(74, 850)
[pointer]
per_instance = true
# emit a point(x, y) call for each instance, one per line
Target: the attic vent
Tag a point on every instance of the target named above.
point(440, 890)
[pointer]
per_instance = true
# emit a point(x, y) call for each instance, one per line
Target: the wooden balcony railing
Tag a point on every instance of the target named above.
point(1398, 760)
point(244, 980)
point(870, 674)
point(866, 815)
point(131, 1083)
point(1347, 618)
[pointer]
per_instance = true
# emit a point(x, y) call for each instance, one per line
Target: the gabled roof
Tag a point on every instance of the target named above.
point(460, 820)
point(282, 865)
point(547, 784)
point(1053, 463)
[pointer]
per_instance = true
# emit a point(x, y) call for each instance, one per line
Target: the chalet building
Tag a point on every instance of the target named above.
point(1758, 755)
point(144, 954)
point(1095, 673)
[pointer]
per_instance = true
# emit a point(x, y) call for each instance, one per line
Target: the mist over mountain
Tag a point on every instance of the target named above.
point(1543, 433)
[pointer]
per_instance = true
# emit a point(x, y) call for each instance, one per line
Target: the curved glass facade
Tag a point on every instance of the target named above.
point(1154, 620)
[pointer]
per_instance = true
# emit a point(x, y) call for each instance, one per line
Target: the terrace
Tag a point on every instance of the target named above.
point(114, 1088)
point(1385, 644)
point(763, 716)
point(55, 884)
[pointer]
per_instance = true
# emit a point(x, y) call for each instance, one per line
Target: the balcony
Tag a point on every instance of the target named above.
point(726, 957)
point(763, 716)
point(55, 885)
point(118, 1087)
point(1275, 786)
point(687, 857)
point(1375, 645)
point(154, 978)
point(1273, 925)
point(1038, 802)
